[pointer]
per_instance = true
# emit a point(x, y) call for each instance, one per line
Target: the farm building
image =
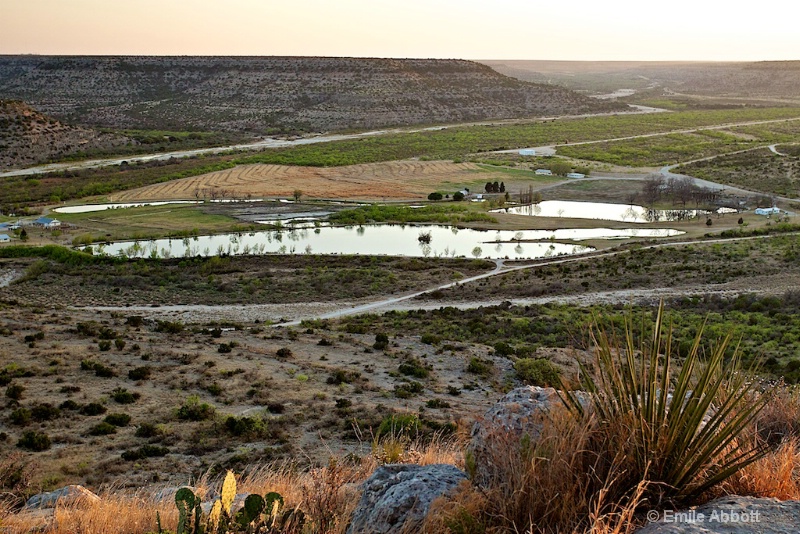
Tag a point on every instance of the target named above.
point(768, 211)
point(544, 172)
point(4, 238)
point(46, 222)
point(576, 175)
point(527, 152)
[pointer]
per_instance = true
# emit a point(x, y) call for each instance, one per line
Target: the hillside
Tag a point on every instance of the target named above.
point(28, 137)
point(765, 79)
point(276, 94)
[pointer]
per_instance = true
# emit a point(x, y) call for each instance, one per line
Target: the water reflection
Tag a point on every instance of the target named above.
point(604, 211)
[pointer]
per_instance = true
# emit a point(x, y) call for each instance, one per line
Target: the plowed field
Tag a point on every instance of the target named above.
point(374, 181)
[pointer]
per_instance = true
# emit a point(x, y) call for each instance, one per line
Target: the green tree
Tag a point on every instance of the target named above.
point(561, 168)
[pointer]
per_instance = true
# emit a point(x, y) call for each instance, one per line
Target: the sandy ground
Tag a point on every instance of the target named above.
point(390, 180)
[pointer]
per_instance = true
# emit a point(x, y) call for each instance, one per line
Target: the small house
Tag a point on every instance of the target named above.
point(544, 172)
point(46, 222)
point(768, 211)
point(4, 238)
point(575, 175)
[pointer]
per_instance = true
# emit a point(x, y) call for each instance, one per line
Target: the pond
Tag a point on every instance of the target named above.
point(603, 211)
point(402, 240)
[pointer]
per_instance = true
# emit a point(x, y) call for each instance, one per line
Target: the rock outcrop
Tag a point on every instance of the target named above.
point(397, 497)
point(731, 515)
point(72, 494)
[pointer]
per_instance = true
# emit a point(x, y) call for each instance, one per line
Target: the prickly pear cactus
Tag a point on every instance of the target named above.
point(186, 501)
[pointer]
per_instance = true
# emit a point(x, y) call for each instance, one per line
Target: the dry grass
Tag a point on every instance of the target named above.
point(373, 181)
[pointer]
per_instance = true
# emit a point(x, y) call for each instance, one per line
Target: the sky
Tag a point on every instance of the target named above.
point(610, 30)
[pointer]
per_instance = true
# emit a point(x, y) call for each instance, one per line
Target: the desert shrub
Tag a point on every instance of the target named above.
point(215, 389)
point(117, 419)
point(381, 341)
point(537, 372)
point(437, 403)
point(102, 429)
point(140, 373)
point(104, 345)
point(148, 430)
point(408, 390)
point(123, 396)
point(145, 451)
point(454, 391)
point(342, 376)
point(93, 408)
point(69, 404)
point(169, 327)
point(135, 321)
point(430, 339)
point(20, 416)
point(193, 410)
point(501, 348)
point(397, 424)
point(413, 367)
point(45, 412)
point(14, 391)
point(34, 441)
point(119, 343)
point(224, 348)
point(478, 366)
point(284, 352)
point(251, 427)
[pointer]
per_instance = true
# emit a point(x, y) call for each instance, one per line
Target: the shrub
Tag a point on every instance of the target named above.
point(45, 412)
point(381, 341)
point(69, 404)
point(284, 352)
point(169, 327)
point(253, 427)
point(413, 367)
point(342, 376)
point(145, 451)
point(148, 430)
point(193, 410)
point(224, 348)
point(408, 390)
point(119, 343)
point(21, 416)
point(437, 403)
point(14, 391)
point(537, 372)
point(458, 196)
point(398, 424)
point(501, 348)
point(478, 366)
point(135, 321)
point(34, 441)
point(102, 429)
point(123, 396)
point(140, 373)
point(118, 419)
point(103, 345)
point(93, 408)
point(430, 339)
point(434, 196)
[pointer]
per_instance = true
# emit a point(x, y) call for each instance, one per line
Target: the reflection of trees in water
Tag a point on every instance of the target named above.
point(518, 250)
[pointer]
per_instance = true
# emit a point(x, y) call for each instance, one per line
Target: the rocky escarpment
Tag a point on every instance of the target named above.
point(268, 94)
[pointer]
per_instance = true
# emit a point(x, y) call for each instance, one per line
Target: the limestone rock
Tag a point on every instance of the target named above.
point(522, 412)
point(72, 494)
point(731, 515)
point(398, 496)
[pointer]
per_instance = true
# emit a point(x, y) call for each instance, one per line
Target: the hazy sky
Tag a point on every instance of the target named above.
point(498, 29)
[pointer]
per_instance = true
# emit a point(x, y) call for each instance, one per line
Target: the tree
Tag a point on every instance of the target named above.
point(561, 168)
point(23, 235)
point(488, 187)
point(297, 194)
point(495, 187)
point(651, 190)
point(502, 187)
point(458, 196)
point(435, 196)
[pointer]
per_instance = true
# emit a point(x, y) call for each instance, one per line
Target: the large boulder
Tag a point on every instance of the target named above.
point(730, 515)
point(520, 414)
point(397, 497)
point(71, 495)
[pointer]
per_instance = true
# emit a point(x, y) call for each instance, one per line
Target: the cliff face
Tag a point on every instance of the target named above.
point(269, 94)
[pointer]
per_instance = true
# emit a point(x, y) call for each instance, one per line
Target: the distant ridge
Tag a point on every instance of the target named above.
point(276, 94)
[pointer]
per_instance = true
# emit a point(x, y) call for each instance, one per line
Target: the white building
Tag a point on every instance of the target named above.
point(544, 172)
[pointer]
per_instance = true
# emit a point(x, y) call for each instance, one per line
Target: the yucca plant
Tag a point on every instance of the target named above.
point(676, 431)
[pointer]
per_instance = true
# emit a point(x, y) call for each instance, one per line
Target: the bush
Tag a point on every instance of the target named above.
point(538, 372)
point(252, 427)
point(145, 451)
point(104, 345)
point(169, 327)
point(413, 367)
point(69, 404)
point(430, 339)
point(284, 352)
point(14, 391)
point(435, 196)
point(341, 376)
point(408, 390)
point(399, 424)
point(477, 366)
point(45, 412)
point(93, 408)
point(140, 373)
point(437, 403)
point(123, 396)
point(224, 348)
point(102, 429)
point(381, 341)
point(118, 419)
point(34, 441)
point(20, 416)
point(148, 430)
point(193, 410)
point(458, 196)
